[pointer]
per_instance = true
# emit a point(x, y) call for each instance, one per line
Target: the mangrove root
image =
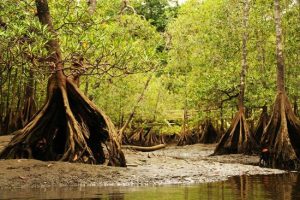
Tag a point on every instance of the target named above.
point(261, 125)
point(69, 127)
point(238, 138)
point(282, 135)
point(208, 133)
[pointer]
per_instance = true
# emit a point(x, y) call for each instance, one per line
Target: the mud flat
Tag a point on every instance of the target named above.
point(172, 165)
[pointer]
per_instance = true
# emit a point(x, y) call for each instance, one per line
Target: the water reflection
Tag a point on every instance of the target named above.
point(284, 186)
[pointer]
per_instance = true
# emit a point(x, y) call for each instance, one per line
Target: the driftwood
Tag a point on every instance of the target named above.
point(144, 149)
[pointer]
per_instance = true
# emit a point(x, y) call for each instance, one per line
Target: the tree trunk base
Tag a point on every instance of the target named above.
point(282, 135)
point(261, 125)
point(28, 111)
point(15, 120)
point(11, 122)
point(152, 139)
point(137, 138)
point(170, 139)
point(188, 138)
point(238, 138)
point(69, 127)
point(145, 138)
point(208, 134)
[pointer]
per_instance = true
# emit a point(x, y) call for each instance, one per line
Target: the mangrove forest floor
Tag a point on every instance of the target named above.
point(172, 165)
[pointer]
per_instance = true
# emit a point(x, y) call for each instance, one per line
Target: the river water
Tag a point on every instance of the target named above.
point(273, 187)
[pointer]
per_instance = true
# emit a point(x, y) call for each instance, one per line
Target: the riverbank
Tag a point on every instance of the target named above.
point(171, 165)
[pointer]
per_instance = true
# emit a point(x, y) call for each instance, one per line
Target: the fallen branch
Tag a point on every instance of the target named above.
point(144, 149)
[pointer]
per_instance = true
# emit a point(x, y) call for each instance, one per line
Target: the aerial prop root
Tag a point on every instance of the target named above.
point(69, 127)
point(237, 138)
point(282, 135)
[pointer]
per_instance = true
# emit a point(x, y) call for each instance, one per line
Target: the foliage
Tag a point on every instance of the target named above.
point(206, 47)
point(158, 12)
point(193, 52)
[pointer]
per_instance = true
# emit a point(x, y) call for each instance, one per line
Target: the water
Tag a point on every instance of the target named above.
point(273, 187)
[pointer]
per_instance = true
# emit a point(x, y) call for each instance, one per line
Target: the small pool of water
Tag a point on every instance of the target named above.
point(273, 187)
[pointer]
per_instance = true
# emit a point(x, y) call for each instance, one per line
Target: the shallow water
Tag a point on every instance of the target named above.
point(273, 187)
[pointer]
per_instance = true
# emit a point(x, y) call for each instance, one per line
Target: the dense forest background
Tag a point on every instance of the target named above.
point(183, 61)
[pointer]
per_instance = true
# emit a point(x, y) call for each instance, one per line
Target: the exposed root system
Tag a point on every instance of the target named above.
point(69, 127)
point(188, 137)
point(238, 138)
point(282, 135)
point(208, 134)
point(145, 137)
point(261, 125)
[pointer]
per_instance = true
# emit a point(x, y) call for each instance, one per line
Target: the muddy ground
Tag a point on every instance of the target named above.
point(172, 165)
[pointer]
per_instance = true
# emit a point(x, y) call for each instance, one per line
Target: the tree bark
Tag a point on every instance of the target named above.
point(244, 54)
point(296, 106)
point(279, 47)
point(262, 123)
point(1, 104)
point(185, 136)
point(29, 107)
